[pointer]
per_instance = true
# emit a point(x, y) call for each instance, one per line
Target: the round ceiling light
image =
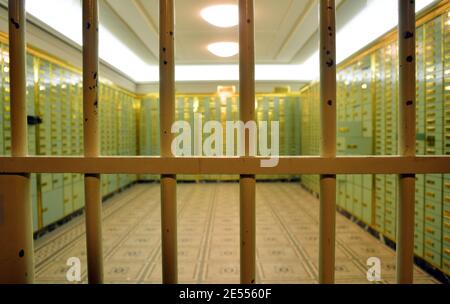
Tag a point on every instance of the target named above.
point(224, 49)
point(225, 15)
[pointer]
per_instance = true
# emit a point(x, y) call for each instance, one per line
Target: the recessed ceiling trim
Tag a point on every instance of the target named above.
point(130, 28)
point(300, 20)
point(147, 17)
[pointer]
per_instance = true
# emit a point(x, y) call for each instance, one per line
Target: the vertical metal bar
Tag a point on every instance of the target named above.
point(16, 228)
point(328, 139)
point(17, 55)
point(167, 117)
point(406, 139)
point(247, 113)
point(92, 182)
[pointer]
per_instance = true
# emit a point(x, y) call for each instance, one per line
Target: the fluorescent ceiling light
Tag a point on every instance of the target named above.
point(224, 49)
point(116, 53)
point(375, 20)
point(230, 72)
point(226, 15)
point(65, 17)
point(62, 15)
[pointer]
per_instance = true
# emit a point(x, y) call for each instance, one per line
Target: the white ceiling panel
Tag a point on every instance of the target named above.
point(281, 27)
point(285, 35)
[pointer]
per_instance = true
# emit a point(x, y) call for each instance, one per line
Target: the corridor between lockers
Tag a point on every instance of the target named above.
point(133, 115)
point(208, 237)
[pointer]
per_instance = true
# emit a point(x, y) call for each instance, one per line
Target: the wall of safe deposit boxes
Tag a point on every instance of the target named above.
point(367, 124)
point(55, 127)
point(129, 125)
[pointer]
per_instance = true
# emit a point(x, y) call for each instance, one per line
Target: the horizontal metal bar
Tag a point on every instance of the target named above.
point(226, 165)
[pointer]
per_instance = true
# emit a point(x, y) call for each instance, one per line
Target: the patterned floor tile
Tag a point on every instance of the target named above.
point(122, 271)
point(271, 254)
point(187, 273)
point(135, 253)
point(208, 239)
point(226, 271)
point(285, 271)
point(224, 253)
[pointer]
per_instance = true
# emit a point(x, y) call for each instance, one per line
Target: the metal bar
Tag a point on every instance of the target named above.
point(16, 226)
point(92, 181)
point(407, 139)
point(328, 139)
point(247, 183)
point(167, 114)
point(219, 165)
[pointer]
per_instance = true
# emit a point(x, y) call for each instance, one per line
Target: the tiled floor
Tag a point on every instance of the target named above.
point(208, 239)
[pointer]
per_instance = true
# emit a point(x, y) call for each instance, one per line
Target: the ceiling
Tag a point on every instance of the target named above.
point(282, 28)
point(286, 37)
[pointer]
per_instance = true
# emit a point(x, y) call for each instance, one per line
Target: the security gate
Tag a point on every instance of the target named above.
point(16, 242)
